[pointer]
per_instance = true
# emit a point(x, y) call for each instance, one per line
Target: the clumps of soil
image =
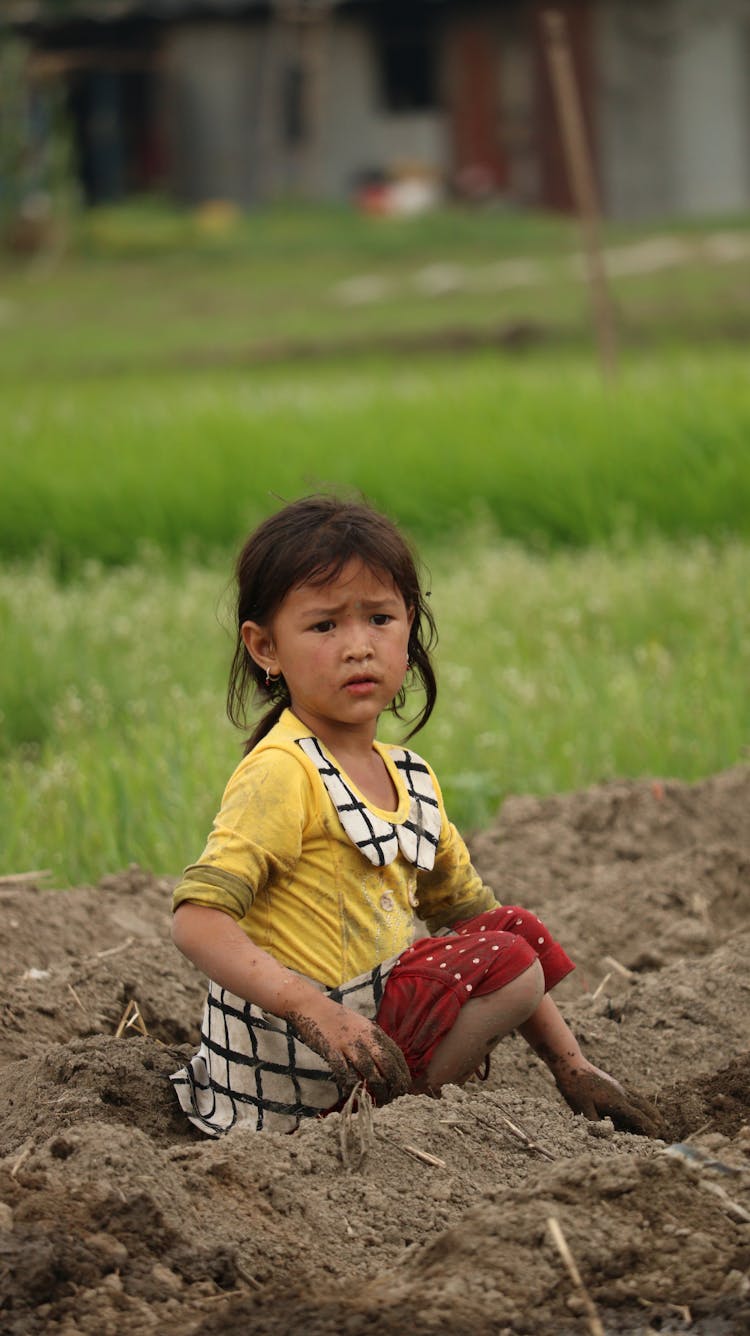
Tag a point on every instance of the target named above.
point(117, 1218)
point(719, 1100)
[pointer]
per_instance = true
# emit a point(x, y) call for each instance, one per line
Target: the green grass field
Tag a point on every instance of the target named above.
point(540, 449)
point(145, 290)
point(588, 545)
point(554, 672)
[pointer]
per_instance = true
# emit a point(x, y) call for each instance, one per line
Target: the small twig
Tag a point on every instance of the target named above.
point(733, 1207)
point(214, 1298)
point(23, 878)
point(114, 950)
point(619, 968)
point(124, 1018)
point(457, 1126)
point(601, 986)
point(22, 1158)
point(76, 998)
point(245, 1275)
point(131, 1018)
point(681, 1309)
point(424, 1156)
point(528, 1141)
point(561, 1243)
point(418, 1154)
point(137, 1022)
point(415, 1152)
point(700, 1130)
point(354, 1156)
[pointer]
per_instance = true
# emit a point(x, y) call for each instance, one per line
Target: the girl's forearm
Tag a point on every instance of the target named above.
point(550, 1037)
point(218, 946)
point(352, 1046)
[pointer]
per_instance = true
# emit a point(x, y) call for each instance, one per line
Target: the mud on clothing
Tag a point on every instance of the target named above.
point(323, 880)
point(316, 875)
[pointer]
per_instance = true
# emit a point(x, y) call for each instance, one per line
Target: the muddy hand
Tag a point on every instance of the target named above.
point(357, 1050)
point(388, 1075)
point(596, 1095)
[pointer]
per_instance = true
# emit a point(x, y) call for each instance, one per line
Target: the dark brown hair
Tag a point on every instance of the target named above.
point(309, 542)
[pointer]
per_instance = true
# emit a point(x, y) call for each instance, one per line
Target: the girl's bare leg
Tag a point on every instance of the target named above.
point(481, 1024)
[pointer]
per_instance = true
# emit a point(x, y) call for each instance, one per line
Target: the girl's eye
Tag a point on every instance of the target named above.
point(323, 626)
point(381, 618)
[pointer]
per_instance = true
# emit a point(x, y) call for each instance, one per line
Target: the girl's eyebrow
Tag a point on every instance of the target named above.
point(367, 603)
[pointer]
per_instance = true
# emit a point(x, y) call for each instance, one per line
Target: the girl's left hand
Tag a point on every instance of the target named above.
point(595, 1094)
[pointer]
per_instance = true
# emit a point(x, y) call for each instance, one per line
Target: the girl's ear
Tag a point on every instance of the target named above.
point(260, 646)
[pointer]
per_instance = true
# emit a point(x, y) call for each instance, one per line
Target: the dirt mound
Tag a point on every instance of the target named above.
point(116, 1217)
point(644, 872)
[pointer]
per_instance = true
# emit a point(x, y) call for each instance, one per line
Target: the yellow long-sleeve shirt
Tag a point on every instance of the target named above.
point(280, 862)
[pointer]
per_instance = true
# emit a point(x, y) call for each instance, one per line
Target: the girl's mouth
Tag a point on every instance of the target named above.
point(359, 686)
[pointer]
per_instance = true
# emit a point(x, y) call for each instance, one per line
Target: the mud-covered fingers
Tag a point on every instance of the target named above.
point(356, 1049)
point(342, 1070)
point(382, 1067)
point(645, 1105)
point(578, 1091)
point(392, 1064)
point(629, 1110)
point(637, 1114)
point(580, 1102)
point(343, 1073)
point(372, 1065)
point(627, 1118)
point(597, 1095)
point(367, 1071)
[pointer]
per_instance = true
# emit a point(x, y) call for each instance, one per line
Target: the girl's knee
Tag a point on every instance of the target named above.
point(514, 1002)
point(534, 985)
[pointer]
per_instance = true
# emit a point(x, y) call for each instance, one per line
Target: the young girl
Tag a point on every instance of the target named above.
point(303, 907)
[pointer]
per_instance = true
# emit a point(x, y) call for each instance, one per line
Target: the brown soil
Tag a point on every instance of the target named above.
point(116, 1218)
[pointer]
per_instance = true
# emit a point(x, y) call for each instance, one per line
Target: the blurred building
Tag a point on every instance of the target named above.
point(244, 101)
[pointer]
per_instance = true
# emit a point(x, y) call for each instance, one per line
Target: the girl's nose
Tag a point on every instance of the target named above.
point(359, 646)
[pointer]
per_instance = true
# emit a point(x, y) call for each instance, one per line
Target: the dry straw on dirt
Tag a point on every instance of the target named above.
point(117, 1219)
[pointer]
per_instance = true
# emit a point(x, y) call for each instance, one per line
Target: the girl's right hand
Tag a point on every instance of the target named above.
point(354, 1048)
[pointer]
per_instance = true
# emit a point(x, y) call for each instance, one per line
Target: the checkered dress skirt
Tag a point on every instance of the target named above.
point(251, 1067)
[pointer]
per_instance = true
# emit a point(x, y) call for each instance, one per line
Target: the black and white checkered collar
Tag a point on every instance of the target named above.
point(379, 839)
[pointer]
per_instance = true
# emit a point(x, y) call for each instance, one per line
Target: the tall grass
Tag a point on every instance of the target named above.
point(555, 672)
point(541, 449)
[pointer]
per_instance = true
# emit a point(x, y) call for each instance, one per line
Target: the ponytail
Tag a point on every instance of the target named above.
point(266, 723)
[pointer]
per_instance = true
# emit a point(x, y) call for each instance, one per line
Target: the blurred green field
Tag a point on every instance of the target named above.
point(145, 289)
point(554, 672)
point(588, 545)
point(540, 449)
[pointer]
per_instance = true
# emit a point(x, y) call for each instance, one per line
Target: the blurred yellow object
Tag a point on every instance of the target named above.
point(217, 216)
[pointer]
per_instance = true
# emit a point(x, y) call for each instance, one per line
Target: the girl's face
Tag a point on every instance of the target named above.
point(342, 648)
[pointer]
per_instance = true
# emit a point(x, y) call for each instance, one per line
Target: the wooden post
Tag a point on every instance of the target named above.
point(304, 26)
point(581, 174)
point(314, 39)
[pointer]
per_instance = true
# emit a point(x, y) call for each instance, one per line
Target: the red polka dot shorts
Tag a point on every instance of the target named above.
point(436, 976)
